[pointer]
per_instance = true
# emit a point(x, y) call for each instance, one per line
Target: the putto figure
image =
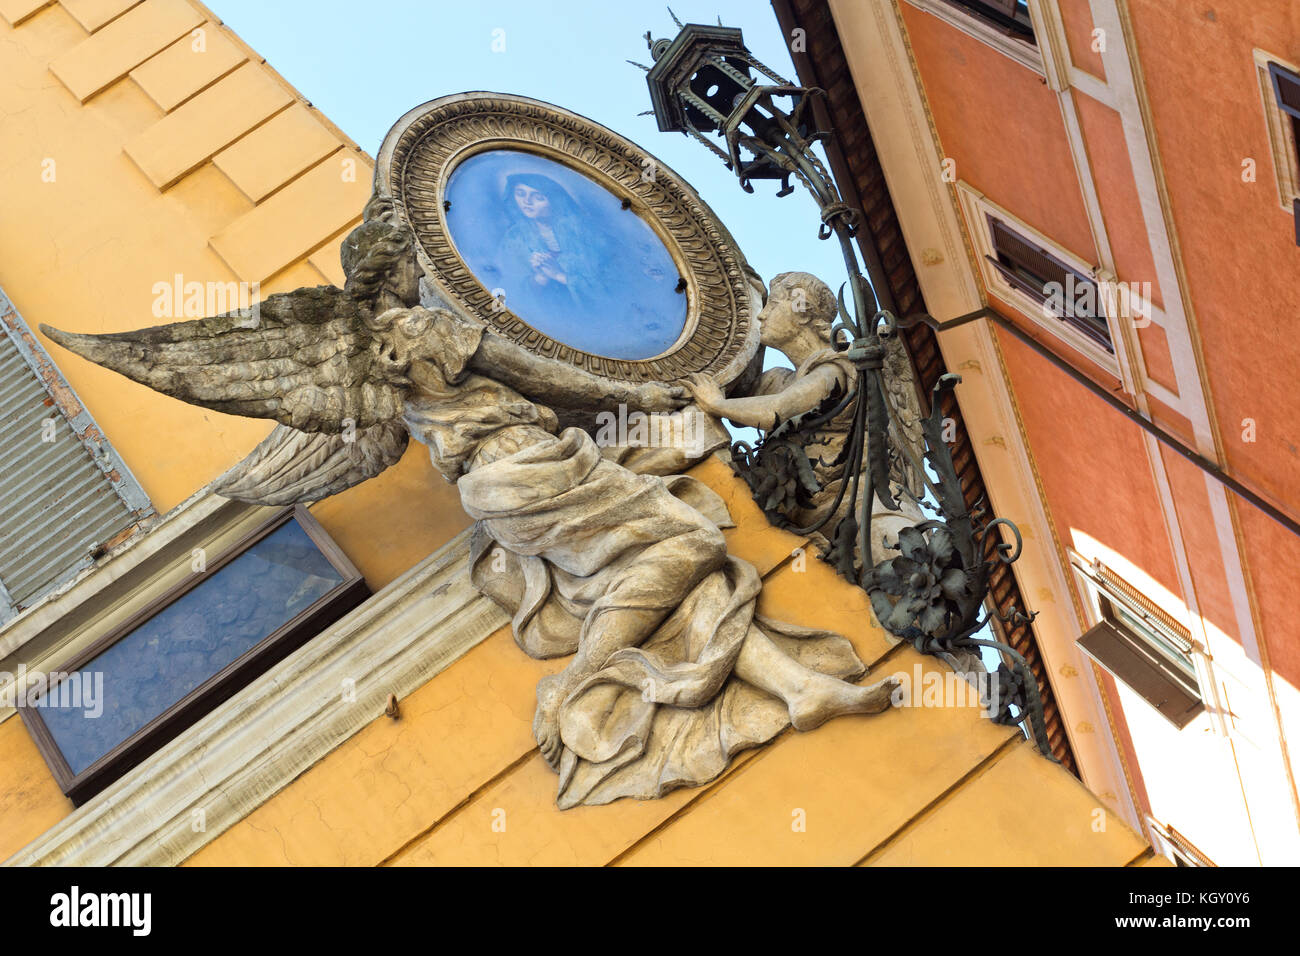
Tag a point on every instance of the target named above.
point(797, 321)
point(672, 671)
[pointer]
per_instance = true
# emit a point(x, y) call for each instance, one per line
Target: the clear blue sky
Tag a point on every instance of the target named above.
point(365, 64)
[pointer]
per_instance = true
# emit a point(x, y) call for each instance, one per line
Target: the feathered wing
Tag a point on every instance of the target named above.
point(304, 359)
point(905, 422)
point(294, 467)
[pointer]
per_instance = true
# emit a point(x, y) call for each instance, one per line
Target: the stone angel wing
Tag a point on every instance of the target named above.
point(905, 419)
point(306, 359)
point(295, 467)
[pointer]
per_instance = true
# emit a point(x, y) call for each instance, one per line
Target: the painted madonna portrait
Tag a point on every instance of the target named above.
point(564, 255)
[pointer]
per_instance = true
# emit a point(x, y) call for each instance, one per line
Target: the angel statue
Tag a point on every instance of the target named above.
point(797, 320)
point(621, 565)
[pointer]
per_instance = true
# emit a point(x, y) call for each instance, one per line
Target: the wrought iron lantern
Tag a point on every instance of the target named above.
point(933, 593)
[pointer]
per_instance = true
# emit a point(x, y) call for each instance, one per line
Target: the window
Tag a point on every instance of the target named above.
point(159, 671)
point(1086, 308)
point(1004, 25)
point(1008, 16)
point(1062, 292)
point(1286, 91)
point(1279, 84)
point(1142, 647)
point(65, 495)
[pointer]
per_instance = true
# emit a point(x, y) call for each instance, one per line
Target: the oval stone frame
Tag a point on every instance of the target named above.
point(720, 336)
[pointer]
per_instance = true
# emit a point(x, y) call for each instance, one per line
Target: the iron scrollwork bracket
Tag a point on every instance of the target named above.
point(932, 592)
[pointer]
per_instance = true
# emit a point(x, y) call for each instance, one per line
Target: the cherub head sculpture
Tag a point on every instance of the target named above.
point(798, 315)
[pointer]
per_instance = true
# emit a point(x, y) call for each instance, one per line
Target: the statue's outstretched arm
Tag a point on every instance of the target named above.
point(553, 382)
point(763, 411)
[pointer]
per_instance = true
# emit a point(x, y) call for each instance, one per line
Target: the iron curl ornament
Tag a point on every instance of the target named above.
point(933, 592)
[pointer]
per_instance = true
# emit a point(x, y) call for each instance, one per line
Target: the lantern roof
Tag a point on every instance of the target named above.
point(679, 59)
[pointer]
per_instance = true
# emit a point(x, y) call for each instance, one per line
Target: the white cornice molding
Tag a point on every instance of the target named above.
point(253, 745)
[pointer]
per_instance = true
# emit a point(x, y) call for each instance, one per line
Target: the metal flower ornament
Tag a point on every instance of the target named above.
point(932, 591)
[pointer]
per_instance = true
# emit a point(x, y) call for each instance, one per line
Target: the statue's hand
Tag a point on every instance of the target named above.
point(657, 397)
point(706, 393)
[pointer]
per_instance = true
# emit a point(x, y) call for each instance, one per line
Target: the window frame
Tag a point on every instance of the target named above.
point(1104, 591)
point(1282, 126)
point(1018, 283)
point(219, 687)
point(1002, 20)
point(1116, 297)
point(1028, 53)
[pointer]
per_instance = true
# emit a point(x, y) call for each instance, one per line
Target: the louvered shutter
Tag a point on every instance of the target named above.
point(1144, 671)
point(1024, 257)
point(1286, 88)
point(1032, 270)
point(60, 499)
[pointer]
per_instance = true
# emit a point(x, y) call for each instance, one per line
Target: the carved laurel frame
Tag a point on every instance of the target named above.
point(720, 336)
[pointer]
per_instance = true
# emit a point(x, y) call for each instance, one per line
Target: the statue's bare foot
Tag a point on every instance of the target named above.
point(827, 697)
point(546, 721)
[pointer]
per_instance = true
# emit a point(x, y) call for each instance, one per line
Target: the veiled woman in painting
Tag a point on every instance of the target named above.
point(548, 258)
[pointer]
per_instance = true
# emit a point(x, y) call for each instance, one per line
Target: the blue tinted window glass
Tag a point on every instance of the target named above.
point(564, 255)
point(165, 658)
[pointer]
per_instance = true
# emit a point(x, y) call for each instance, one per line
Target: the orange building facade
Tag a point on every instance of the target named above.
point(1141, 152)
